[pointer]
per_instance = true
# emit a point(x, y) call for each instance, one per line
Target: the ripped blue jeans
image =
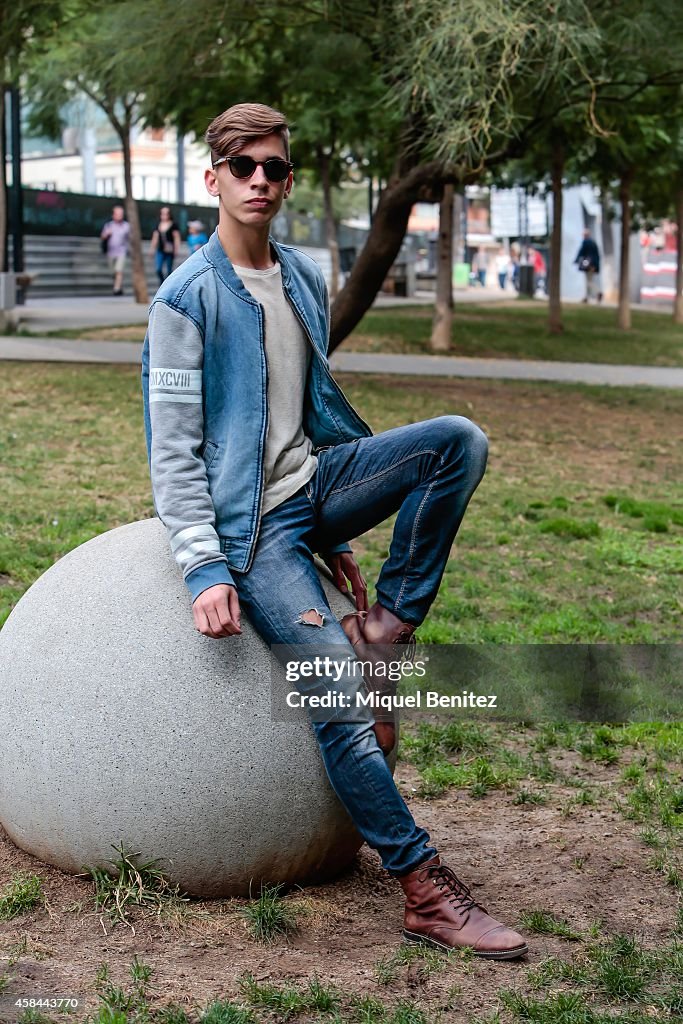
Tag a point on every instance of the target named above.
point(427, 473)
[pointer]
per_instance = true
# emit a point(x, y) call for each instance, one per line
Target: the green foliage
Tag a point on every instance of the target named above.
point(22, 894)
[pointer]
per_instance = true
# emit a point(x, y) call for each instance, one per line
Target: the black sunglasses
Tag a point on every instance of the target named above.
point(274, 168)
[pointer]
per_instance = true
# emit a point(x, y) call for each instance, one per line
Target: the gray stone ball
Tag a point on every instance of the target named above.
point(121, 723)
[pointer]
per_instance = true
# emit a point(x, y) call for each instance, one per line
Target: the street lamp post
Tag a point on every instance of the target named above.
point(16, 198)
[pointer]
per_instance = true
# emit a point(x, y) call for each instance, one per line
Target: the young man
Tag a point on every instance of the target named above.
point(258, 460)
point(588, 261)
point(116, 232)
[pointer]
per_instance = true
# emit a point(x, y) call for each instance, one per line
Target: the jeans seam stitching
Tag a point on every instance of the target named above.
point(388, 469)
point(399, 597)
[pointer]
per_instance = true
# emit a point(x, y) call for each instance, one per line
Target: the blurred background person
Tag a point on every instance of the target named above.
point(165, 244)
point(115, 237)
point(588, 261)
point(502, 267)
point(540, 270)
point(196, 235)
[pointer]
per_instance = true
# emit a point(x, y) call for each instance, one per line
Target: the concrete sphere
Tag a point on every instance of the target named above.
point(120, 722)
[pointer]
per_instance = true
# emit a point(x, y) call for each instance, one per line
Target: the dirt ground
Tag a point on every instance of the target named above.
point(586, 867)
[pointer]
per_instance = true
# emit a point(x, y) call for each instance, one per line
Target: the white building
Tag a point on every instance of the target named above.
point(89, 160)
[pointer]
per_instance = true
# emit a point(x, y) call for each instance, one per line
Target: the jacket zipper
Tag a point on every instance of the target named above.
point(262, 452)
point(325, 367)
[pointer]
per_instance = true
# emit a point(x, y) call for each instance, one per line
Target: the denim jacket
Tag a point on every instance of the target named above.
point(204, 384)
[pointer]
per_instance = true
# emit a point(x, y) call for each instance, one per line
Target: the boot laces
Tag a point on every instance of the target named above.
point(447, 880)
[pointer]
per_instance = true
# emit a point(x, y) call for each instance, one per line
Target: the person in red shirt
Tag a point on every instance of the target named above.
point(540, 269)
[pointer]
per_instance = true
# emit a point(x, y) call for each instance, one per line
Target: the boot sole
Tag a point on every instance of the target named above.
point(499, 954)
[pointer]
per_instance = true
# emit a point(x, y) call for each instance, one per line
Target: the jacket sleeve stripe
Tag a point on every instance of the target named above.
point(164, 396)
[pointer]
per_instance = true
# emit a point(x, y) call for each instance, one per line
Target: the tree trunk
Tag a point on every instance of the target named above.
point(554, 291)
point(381, 247)
point(133, 218)
point(678, 299)
point(443, 313)
point(607, 271)
point(624, 310)
point(330, 222)
point(3, 184)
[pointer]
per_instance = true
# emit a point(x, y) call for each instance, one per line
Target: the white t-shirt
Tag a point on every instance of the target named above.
point(288, 462)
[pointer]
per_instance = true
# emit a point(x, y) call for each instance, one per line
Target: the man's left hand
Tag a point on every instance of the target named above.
point(343, 567)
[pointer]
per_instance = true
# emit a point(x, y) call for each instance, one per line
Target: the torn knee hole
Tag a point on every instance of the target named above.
point(312, 617)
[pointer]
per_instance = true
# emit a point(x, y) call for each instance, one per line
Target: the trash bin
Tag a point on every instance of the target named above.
point(527, 285)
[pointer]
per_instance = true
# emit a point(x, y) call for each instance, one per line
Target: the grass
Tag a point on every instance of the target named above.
point(137, 1002)
point(519, 330)
point(128, 884)
point(543, 922)
point(617, 972)
point(289, 1000)
point(426, 962)
point(71, 438)
point(269, 916)
point(22, 894)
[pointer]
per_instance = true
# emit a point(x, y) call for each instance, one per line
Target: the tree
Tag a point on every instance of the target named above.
point(627, 148)
point(443, 309)
point(457, 86)
point(460, 88)
point(79, 58)
point(332, 103)
point(22, 23)
point(474, 83)
point(658, 193)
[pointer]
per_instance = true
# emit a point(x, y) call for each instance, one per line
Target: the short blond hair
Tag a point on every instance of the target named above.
point(242, 123)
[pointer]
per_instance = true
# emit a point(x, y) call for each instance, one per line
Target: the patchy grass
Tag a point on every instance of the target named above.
point(270, 916)
point(291, 1000)
point(348, 966)
point(127, 885)
point(23, 894)
point(543, 922)
point(519, 330)
point(423, 959)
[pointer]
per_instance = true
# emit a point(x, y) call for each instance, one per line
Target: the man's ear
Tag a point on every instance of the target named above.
point(289, 185)
point(211, 181)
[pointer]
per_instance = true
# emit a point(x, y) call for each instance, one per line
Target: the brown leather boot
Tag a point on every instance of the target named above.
point(380, 636)
point(441, 912)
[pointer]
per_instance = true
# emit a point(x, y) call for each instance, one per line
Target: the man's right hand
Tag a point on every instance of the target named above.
point(216, 611)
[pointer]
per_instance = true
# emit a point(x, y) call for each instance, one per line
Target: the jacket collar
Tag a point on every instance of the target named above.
point(229, 276)
point(227, 272)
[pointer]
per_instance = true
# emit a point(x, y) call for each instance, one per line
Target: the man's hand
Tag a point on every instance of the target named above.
point(343, 567)
point(216, 611)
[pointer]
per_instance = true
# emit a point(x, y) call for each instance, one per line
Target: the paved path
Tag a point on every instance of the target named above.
point(508, 369)
point(41, 316)
point(73, 351)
